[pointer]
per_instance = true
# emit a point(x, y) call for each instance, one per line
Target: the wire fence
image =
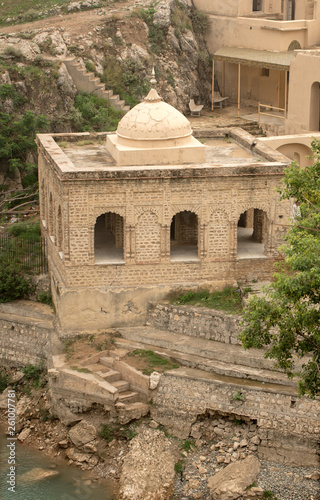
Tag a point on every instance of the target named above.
point(28, 255)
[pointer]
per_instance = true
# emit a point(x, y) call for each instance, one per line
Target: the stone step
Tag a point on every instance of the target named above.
point(128, 397)
point(107, 361)
point(112, 376)
point(118, 353)
point(131, 411)
point(121, 385)
point(98, 367)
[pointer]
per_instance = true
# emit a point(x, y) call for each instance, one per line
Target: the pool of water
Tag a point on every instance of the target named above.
point(69, 484)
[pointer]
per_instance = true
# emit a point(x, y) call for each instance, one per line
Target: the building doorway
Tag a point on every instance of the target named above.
point(251, 234)
point(108, 239)
point(184, 236)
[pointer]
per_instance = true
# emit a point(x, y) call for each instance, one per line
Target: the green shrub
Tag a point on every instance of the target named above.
point(14, 52)
point(13, 285)
point(45, 297)
point(35, 375)
point(201, 22)
point(107, 432)
point(93, 114)
point(26, 231)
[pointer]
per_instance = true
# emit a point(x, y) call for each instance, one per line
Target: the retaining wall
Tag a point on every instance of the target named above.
point(289, 426)
point(196, 322)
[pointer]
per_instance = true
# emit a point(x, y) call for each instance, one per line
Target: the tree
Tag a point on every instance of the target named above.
point(287, 319)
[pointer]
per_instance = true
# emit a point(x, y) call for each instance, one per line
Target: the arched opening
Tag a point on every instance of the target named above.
point(251, 234)
point(315, 107)
point(50, 218)
point(59, 230)
point(108, 239)
point(184, 236)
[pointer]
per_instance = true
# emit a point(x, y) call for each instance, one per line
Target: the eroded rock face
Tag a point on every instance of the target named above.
point(231, 482)
point(148, 469)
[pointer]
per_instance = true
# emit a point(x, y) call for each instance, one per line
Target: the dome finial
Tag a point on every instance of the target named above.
point(153, 95)
point(153, 80)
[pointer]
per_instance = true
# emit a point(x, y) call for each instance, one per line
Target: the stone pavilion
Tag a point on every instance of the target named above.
point(133, 215)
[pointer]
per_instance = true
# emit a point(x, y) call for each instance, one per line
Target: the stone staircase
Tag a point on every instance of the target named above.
point(104, 368)
point(87, 82)
point(102, 378)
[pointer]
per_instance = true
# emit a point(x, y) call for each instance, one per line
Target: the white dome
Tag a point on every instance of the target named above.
point(153, 120)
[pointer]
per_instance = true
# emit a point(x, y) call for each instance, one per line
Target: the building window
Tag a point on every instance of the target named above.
point(265, 72)
point(257, 5)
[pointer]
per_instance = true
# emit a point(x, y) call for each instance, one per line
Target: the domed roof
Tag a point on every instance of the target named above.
point(153, 120)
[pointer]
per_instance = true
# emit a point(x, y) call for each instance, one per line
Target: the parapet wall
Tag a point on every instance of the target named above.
point(196, 322)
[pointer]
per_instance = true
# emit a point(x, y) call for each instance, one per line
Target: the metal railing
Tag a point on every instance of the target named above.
point(28, 255)
point(270, 107)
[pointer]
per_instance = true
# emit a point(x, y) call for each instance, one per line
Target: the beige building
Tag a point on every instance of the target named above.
point(265, 52)
point(152, 210)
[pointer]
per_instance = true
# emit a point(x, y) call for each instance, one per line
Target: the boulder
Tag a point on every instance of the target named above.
point(148, 468)
point(231, 482)
point(82, 433)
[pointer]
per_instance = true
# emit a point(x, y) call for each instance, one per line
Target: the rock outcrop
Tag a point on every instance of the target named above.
point(148, 468)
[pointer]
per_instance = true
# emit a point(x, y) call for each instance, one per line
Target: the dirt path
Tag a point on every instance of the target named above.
point(77, 23)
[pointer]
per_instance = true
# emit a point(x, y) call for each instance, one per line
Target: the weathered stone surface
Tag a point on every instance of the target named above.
point(162, 16)
point(148, 468)
point(154, 380)
point(24, 434)
point(82, 433)
point(78, 456)
point(37, 474)
point(230, 483)
point(4, 398)
point(63, 413)
point(132, 411)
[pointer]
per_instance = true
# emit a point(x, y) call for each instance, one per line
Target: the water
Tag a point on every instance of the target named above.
point(70, 484)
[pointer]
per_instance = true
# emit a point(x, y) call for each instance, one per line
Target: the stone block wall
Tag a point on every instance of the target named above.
point(284, 420)
point(22, 343)
point(197, 322)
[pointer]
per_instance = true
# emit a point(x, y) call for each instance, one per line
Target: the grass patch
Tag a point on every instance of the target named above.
point(228, 299)
point(188, 445)
point(108, 432)
point(153, 361)
point(179, 466)
point(81, 370)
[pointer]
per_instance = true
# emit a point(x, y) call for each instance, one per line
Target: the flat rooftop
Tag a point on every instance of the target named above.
point(218, 152)
point(85, 153)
